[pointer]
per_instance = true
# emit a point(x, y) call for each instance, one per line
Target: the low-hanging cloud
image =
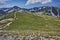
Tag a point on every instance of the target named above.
point(36, 1)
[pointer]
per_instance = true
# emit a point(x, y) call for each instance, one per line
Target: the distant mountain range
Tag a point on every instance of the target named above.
point(52, 11)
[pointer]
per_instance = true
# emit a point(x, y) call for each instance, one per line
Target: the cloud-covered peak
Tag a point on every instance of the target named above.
point(36, 1)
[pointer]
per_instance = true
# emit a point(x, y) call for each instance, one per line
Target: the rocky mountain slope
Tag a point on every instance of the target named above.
point(29, 26)
point(51, 11)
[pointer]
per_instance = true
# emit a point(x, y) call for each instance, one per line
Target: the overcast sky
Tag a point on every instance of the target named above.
point(29, 3)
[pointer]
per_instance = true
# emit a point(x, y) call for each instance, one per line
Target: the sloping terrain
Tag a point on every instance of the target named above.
point(26, 21)
point(29, 26)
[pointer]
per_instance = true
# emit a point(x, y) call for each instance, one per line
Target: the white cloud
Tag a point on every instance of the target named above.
point(36, 1)
point(3, 1)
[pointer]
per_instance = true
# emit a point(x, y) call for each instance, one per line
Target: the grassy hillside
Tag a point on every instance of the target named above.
point(25, 21)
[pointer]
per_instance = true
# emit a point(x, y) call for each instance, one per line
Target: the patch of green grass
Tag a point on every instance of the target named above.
point(26, 21)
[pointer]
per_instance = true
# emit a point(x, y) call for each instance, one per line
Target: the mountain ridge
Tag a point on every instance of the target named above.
point(52, 11)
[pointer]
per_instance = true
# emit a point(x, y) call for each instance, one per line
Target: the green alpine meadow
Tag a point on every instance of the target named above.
point(33, 22)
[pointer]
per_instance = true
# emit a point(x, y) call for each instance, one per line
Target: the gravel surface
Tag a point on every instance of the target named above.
point(20, 36)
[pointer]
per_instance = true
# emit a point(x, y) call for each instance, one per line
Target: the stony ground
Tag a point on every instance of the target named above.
point(14, 35)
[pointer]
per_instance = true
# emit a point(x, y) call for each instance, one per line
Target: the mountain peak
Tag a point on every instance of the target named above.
point(16, 7)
